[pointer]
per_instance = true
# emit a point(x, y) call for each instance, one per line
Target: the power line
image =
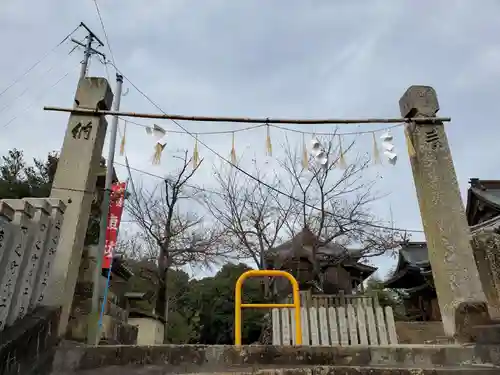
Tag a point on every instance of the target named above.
point(252, 176)
point(275, 190)
point(18, 79)
point(33, 102)
point(104, 31)
point(164, 178)
point(8, 105)
point(99, 15)
point(77, 190)
point(283, 128)
point(200, 133)
point(343, 133)
point(108, 76)
point(267, 121)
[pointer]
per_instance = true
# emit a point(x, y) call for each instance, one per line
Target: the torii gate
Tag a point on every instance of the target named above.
point(461, 298)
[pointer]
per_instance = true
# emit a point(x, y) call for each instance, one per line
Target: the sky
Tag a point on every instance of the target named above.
point(294, 59)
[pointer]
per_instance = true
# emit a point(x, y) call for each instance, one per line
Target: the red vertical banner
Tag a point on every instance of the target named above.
point(114, 217)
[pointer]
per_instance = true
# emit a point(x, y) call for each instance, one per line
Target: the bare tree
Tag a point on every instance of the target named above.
point(252, 214)
point(179, 235)
point(334, 203)
point(135, 248)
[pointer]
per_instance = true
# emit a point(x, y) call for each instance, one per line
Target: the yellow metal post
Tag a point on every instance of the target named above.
point(239, 305)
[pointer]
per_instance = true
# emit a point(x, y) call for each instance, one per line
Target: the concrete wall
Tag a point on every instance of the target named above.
point(150, 330)
point(418, 332)
point(30, 343)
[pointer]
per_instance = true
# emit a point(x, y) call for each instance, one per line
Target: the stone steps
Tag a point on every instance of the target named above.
point(487, 334)
point(441, 340)
point(219, 359)
point(304, 370)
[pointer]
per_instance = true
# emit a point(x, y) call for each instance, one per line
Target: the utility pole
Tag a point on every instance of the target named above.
point(89, 50)
point(94, 332)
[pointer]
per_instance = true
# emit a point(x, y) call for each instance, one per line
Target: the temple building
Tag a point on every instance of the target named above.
point(483, 203)
point(329, 269)
point(413, 272)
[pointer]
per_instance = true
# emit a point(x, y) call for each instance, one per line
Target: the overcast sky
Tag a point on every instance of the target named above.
point(291, 58)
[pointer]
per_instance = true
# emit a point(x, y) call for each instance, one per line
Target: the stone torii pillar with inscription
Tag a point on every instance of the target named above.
point(460, 294)
point(74, 184)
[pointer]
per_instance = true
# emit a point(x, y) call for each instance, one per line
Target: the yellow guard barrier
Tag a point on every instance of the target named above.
point(239, 304)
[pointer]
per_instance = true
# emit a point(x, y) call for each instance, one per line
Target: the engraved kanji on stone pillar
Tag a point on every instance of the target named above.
point(31, 261)
point(458, 287)
point(6, 216)
point(23, 212)
point(57, 209)
point(6, 235)
point(74, 184)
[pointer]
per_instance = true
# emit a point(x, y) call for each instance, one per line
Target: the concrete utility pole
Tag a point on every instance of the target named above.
point(89, 51)
point(93, 332)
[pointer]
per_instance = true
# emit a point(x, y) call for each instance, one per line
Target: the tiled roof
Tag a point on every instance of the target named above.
point(415, 254)
point(491, 196)
point(301, 246)
point(491, 224)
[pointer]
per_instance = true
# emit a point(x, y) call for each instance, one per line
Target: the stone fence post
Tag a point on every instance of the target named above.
point(26, 238)
point(57, 209)
point(14, 255)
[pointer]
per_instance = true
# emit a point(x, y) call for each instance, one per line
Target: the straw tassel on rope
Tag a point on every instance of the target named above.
point(342, 162)
point(196, 156)
point(376, 151)
point(409, 143)
point(159, 134)
point(269, 146)
point(305, 157)
point(233, 152)
point(159, 147)
point(122, 143)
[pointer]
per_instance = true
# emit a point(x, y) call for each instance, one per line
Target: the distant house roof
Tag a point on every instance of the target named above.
point(139, 313)
point(483, 200)
point(138, 295)
point(119, 268)
point(413, 266)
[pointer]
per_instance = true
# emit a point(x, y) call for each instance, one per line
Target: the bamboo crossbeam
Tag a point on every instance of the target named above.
point(254, 120)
